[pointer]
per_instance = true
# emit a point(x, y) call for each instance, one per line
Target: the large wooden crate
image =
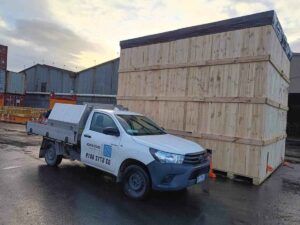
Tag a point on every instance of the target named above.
point(224, 85)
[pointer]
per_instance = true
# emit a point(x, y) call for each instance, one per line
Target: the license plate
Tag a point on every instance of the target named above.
point(201, 178)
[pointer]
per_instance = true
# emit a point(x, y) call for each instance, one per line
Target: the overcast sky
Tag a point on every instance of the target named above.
point(76, 34)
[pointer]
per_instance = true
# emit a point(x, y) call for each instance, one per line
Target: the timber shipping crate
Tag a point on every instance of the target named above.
point(223, 85)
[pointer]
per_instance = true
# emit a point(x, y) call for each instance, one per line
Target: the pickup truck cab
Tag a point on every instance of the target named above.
point(130, 146)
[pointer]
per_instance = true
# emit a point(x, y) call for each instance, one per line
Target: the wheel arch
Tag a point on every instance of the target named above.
point(44, 146)
point(129, 162)
point(46, 143)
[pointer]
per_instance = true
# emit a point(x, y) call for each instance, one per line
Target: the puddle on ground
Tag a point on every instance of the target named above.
point(291, 186)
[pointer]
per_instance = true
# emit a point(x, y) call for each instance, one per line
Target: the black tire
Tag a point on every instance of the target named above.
point(136, 182)
point(50, 156)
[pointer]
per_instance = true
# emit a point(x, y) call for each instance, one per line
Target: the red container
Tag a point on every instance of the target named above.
point(3, 57)
point(1, 100)
point(13, 100)
point(65, 100)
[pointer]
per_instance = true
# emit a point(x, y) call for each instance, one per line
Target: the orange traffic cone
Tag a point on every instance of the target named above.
point(269, 168)
point(211, 173)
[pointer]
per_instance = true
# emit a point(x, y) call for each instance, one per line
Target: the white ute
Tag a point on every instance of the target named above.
point(128, 145)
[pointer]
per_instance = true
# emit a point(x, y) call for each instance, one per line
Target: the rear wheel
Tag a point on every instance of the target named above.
point(136, 182)
point(51, 158)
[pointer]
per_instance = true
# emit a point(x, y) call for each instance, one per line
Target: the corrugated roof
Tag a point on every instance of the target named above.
point(101, 64)
point(48, 66)
point(69, 71)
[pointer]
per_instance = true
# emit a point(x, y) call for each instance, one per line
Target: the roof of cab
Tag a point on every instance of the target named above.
point(117, 112)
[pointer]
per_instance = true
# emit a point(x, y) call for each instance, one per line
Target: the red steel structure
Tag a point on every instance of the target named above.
point(3, 57)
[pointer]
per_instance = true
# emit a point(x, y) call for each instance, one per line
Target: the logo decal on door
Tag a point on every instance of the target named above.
point(107, 149)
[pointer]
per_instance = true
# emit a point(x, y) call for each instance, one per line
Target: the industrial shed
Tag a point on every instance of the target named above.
point(12, 88)
point(293, 119)
point(45, 78)
point(293, 124)
point(97, 84)
point(222, 84)
point(42, 79)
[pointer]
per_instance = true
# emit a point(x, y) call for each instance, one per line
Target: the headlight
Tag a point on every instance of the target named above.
point(166, 157)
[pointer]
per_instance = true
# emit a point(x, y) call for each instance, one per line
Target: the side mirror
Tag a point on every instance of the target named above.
point(111, 131)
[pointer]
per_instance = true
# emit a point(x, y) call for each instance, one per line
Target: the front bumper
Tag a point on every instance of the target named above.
point(172, 177)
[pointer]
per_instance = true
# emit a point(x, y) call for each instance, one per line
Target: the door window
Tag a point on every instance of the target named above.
point(101, 121)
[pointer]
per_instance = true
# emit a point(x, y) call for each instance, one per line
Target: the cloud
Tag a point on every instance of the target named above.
point(46, 41)
point(33, 35)
point(11, 10)
point(76, 33)
point(50, 35)
point(2, 23)
point(295, 45)
point(236, 8)
point(127, 6)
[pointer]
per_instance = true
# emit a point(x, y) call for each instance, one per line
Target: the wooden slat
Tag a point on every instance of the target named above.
point(263, 58)
point(249, 100)
point(240, 140)
point(266, 58)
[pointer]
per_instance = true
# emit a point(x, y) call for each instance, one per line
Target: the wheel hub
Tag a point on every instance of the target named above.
point(136, 182)
point(51, 154)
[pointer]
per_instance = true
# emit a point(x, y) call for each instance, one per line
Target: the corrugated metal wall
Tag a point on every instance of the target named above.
point(43, 78)
point(100, 79)
point(295, 74)
point(2, 80)
point(103, 100)
point(36, 101)
point(293, 119)
point(15, 83)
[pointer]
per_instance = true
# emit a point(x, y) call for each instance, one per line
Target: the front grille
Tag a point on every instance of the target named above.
point(195, 158)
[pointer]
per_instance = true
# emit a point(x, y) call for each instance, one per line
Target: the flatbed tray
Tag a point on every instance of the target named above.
point(57, 133)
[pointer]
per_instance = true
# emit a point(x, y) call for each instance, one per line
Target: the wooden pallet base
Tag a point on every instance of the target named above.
point(244, 179)
point(233, 176)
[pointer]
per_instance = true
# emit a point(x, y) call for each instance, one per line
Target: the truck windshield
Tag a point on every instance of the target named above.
point(139, 125)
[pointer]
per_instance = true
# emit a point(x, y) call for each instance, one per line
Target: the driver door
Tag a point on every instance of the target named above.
point(98, 149)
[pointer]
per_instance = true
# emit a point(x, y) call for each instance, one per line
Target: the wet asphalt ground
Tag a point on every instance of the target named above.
point(33, 193)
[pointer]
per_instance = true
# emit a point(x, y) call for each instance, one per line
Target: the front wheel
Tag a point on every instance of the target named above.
point(136, 182)
point(51, 158)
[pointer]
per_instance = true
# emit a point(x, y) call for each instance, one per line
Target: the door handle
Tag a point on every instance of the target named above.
point(87, 135)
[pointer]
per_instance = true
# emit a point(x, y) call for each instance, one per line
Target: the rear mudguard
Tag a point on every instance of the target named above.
point(43, 148)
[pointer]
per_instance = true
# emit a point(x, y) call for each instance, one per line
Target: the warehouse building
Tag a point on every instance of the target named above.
point(12, 88)
point(97, 84)
point(293, 119)
point(45, 78)
point(42, 79)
